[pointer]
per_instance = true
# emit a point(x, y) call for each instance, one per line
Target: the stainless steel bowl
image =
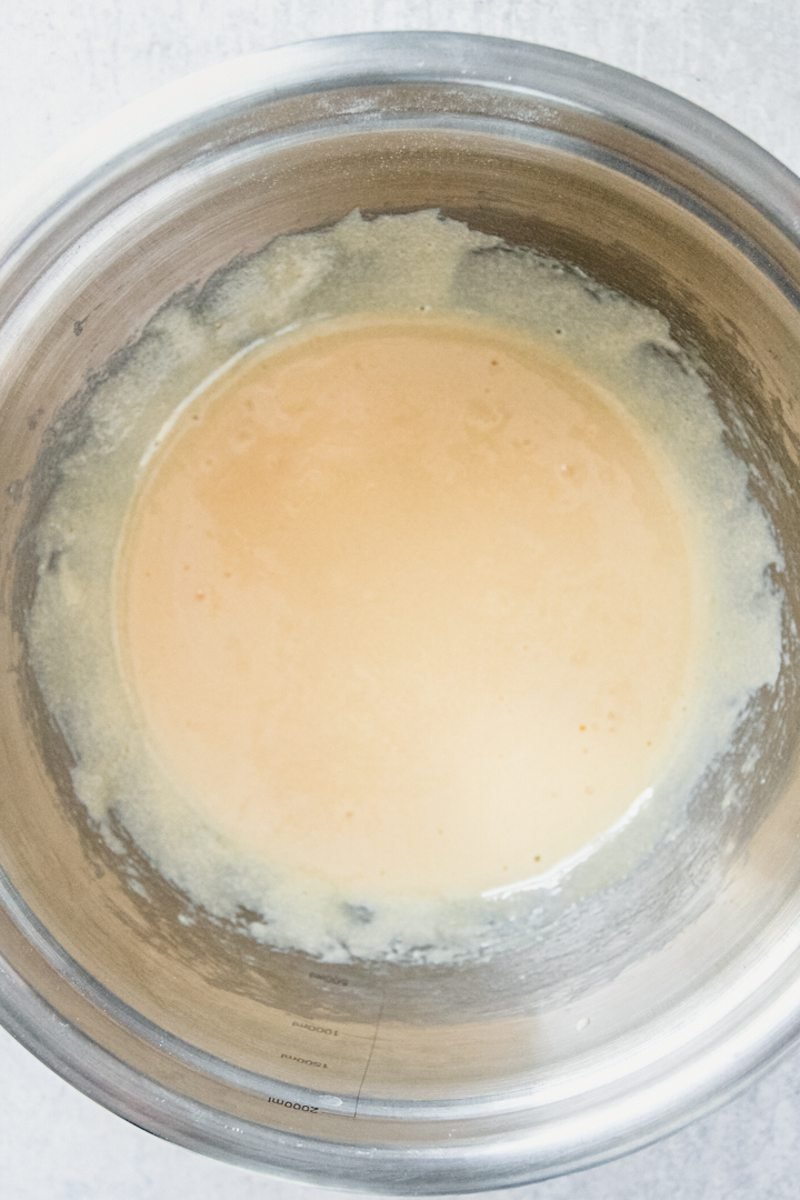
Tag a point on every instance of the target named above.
point(640, 1007)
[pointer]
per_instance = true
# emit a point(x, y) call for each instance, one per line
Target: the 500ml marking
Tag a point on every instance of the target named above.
point(337, 980)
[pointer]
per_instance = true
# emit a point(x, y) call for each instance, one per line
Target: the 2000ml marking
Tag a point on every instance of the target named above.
point(293, 1104)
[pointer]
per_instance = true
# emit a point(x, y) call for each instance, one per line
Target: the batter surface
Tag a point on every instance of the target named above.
point(394, 586)
point(407, 604)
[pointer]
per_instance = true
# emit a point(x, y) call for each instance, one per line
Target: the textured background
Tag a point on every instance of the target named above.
point(65, 63)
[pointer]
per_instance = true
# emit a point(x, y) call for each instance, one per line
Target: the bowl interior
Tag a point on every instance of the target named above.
point(616, 990)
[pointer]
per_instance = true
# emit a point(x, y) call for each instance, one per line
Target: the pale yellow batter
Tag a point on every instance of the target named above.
point(408, 604)
point(396, 587)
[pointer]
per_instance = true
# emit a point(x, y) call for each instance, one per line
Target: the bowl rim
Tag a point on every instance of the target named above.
point(763, 1030)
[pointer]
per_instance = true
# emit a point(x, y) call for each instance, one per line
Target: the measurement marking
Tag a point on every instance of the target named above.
point(326, 1030)
point(305, 1062)
point(369, 1056)
point(335, 979)
point(293, 1104)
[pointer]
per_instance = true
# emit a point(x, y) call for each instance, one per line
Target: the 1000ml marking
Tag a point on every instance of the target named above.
point(327, 1030)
